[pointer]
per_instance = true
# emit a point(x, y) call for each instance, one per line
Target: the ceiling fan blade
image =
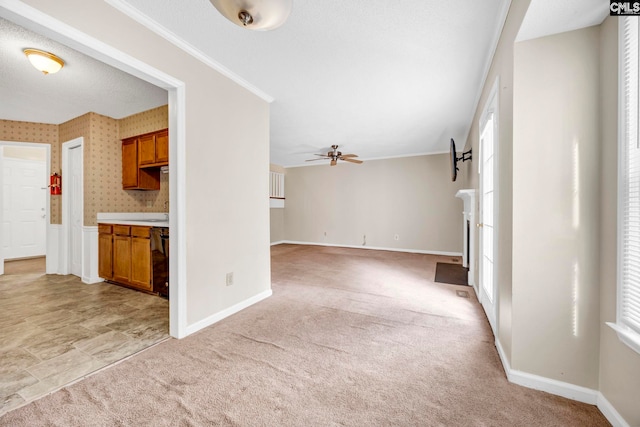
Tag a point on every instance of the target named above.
point(313, 160)
point(321, 155)
point(334, 162)
point(349, 155)
point(351, 160)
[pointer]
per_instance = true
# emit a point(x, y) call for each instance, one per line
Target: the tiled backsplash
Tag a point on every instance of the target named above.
point(102, 159)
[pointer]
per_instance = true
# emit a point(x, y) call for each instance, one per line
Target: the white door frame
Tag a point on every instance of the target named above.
point(40, 22)
point(489, 303)
point(65, 247)
point(47, 147)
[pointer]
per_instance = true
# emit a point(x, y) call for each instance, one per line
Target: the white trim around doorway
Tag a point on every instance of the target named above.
point(48, 226)
point(65, 260)
point(38, 21)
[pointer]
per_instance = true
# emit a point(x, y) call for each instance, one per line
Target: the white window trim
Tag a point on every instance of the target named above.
point(627, 335)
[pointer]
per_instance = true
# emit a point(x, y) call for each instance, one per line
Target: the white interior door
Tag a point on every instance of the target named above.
point(74, 187)
point(486, 211)
point(24, 208)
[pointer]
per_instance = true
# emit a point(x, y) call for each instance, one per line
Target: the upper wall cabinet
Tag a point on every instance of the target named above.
point(153, 149)
point(142, 157)
point(133, 177)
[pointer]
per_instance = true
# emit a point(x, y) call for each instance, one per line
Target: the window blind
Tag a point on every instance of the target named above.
point(629, 289)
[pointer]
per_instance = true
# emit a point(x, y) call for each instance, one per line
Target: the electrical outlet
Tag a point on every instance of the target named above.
point(229, 279)
point(396, 237)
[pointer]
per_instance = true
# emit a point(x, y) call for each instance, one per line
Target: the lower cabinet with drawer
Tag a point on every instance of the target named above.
point(124, 255)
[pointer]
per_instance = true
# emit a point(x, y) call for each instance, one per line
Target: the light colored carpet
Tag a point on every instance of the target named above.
point(350, 337)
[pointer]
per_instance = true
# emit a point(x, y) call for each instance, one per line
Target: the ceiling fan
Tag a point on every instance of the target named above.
point(336, 155)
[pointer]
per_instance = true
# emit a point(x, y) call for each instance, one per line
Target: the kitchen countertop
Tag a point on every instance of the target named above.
point(147, 223)
point(146, 219)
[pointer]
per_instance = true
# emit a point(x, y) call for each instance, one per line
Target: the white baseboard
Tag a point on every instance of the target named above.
point(537, 382)
point(559, 388)
point(375, 248)
point(610, 412)
point(279, 242)
point(227, 312)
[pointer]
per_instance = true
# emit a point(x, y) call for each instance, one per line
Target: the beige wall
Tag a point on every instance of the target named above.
point(40, 133)
point(276, 168)
point(411, 196)
point(576, 74)
point(502, 67)
point(619, 365)
point(277, 225)
point(556, 207)
point(227, 205)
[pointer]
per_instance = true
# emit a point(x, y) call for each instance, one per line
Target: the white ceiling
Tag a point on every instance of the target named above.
point(83, 85)
point(379, 78)
point(547, 17)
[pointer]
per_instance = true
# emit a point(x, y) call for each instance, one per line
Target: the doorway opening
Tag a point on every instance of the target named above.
point(72, 242)
point(25, 204)
point(39, 22)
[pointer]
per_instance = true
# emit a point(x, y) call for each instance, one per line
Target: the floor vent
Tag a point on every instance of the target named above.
point(462, 294)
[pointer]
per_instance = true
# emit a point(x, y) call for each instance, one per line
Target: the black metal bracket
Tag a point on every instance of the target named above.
point(465, 156)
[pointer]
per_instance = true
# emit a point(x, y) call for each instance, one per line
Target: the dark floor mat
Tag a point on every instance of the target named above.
point(453, 274)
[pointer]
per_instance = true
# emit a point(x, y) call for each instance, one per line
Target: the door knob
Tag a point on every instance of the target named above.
point(479, 225)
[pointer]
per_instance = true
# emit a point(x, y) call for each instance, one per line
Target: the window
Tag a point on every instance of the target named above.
point(628, 313)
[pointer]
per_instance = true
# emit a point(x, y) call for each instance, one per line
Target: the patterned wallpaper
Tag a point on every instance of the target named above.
point(102, 159)
point(41, 133)
point(145, 122)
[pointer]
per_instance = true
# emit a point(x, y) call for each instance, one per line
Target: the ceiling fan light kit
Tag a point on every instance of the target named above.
point(334, 155)
point(259, 15)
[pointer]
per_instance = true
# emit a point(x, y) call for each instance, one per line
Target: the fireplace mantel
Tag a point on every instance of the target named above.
point(469, 231)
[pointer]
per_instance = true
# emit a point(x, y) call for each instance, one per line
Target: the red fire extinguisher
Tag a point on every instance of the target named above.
point(55, 183)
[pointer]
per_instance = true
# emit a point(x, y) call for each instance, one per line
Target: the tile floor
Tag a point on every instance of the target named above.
point(55, 329)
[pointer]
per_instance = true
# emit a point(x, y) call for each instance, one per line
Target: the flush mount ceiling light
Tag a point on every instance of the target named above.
point(260, 15)
point(43, 61)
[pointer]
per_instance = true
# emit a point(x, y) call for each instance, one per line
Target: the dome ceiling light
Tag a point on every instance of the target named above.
point(43, 61)
point(259, 15)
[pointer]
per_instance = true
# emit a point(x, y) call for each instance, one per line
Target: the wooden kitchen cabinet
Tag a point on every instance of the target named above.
point(153, 149)
point(134, 177)
point(121, 258)
point(129, 163)
point(162, 147)
point(124, 255)
point(105, 251)
point(141, 258)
